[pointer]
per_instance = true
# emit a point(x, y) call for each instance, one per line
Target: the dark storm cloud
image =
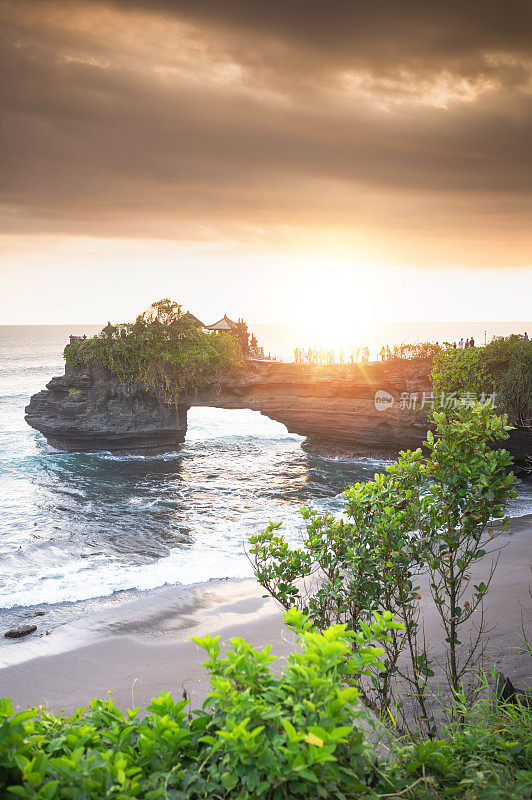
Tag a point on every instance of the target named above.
point(106, 133)
point(380, 35)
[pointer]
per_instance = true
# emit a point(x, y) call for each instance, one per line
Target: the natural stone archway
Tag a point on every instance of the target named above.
point(88, 409)
point(333, 406)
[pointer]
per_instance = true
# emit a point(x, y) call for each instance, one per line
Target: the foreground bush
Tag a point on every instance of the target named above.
point(261, 735)
point(433, 514)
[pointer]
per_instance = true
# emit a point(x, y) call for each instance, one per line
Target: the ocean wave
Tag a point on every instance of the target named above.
point(147, 504)
point(83, 580)
point(106, 455)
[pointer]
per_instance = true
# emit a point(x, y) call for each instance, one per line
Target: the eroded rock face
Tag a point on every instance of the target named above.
point(343, 410)
point(348, 410)
point(88, 409)
point(335, 406)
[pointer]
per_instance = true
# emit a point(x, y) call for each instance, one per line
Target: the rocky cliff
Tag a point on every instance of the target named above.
point(341, 409)
point(334, 406)
point(87, 409)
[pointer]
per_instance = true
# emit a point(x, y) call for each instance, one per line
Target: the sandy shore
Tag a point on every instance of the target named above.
point(139, 648)
point(142, 646)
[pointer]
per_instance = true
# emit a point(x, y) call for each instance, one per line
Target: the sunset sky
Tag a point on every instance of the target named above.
point(266, 159)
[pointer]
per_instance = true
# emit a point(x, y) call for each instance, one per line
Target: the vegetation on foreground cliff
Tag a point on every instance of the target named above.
point(434, 516)
point(301, 731)
point(273, 736)
point(504, 366)
point(164, 350)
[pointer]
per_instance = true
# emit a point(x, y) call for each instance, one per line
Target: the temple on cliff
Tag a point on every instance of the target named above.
point(223, 324)
point(250, 346)
point(194, 320)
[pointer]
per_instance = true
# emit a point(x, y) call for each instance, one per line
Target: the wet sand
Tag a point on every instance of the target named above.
point(142, 646)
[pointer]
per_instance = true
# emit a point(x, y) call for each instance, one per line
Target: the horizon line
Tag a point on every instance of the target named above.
point(380, 322)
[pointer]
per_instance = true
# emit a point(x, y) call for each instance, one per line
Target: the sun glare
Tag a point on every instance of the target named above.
point(337, 302)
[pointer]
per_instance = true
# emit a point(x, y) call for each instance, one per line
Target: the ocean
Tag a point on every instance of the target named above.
point(79, 527)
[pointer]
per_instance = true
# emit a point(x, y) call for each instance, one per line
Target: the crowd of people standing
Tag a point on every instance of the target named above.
point(356, 355)
point(322, 355)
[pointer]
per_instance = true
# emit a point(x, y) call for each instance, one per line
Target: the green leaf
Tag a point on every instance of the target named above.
point(229, 780)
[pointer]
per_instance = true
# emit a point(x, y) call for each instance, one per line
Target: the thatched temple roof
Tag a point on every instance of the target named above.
point(223, 324)
point(195, 321)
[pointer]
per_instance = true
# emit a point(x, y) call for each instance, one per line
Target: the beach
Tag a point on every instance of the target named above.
point(142, 646)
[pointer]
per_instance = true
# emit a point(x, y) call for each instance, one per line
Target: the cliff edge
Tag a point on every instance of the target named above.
point(342, 409)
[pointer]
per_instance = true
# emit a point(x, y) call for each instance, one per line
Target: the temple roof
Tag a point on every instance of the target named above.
point(195, 321)
point(223, 324)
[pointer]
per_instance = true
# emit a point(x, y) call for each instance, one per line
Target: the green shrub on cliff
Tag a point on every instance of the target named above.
point(163, 350)
point(456, 371)
point(504, 366)
point(419, 350)
point(509, 360)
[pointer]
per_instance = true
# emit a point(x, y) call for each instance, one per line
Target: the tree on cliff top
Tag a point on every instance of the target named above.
point(503, 366)
point(163, 350)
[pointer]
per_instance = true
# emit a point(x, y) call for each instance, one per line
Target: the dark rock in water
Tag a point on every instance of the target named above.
point(88, 409)
point(340, 451)
point(17, 633)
